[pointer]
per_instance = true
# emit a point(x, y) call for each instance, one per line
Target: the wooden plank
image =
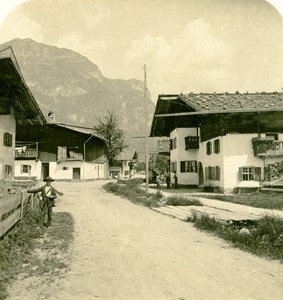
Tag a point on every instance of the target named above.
point(9, 202)
point(9, 222)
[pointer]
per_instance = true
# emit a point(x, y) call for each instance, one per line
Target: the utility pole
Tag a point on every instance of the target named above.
point(145, 131)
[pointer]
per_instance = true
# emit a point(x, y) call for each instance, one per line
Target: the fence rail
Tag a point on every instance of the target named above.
point(14, 207)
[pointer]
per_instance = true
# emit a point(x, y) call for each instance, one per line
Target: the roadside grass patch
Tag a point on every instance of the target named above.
point(182, 201)
point(263, 237)
point(130, 190)
point(268, 200)
point(27, 251)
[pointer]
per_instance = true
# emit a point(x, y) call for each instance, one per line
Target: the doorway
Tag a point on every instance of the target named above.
point(45, 170)
point(76, 173)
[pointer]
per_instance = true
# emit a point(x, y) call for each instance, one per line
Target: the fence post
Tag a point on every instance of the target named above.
point(32, 204)
point(22, 204)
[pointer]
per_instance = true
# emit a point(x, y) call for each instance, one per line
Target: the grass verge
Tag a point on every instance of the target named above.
point(131, 190)
point(28, 251)
point(268, 200)
point(263, 237)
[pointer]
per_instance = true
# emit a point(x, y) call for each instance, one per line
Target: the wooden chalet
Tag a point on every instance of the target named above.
point(223, 141)
point(61, 151)
point(17, 107)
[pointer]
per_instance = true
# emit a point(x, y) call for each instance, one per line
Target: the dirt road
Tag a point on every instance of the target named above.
point(126, 251)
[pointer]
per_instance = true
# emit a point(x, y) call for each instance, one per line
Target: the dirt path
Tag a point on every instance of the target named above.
point(125, 251)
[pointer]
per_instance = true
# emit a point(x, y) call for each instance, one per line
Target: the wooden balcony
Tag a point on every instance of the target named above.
point(267, 147)
point(27, 154)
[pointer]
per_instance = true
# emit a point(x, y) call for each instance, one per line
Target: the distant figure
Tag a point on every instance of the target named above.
point(175, 180)
point(160, 179)
point(168, 179)
point(48, 194)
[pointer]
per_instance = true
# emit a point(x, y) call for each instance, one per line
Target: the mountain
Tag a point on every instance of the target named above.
point(74, 89)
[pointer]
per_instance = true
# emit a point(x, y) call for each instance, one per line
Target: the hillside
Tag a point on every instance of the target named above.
point(73, 87)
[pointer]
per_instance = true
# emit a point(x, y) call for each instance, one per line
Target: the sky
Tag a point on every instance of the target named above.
point(187, 45)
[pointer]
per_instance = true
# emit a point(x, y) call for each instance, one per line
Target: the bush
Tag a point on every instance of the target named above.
point(262, 237)
point(182, 201)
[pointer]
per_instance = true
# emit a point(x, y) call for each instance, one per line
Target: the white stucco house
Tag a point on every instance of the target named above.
point(123, 166)
point(223, 142)
point(17, 107)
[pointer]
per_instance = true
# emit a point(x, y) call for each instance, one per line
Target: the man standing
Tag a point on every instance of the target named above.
point(48, 194)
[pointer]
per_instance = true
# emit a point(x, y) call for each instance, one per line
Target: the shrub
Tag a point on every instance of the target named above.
point(182, 201)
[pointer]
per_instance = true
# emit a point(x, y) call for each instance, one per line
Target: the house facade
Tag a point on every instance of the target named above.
point(17, 106)
point(123, 166)
point(61, 151)
point(223, 142)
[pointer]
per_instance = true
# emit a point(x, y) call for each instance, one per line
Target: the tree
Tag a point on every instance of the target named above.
point(108, 128)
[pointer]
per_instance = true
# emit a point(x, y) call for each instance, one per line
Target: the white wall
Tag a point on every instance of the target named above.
point(35, 170)
point(181, 154)
point(238, 152)
point(7, 154)
point(87, 170)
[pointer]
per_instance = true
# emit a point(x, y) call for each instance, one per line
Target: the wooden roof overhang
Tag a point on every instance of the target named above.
point(15, 93)
point(177, 114)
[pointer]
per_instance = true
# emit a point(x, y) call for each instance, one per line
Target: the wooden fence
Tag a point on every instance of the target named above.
point(14, 207)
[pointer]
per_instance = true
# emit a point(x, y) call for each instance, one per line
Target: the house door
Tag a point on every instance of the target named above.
point(200, 174)
point(45, 170)
point(76, 173)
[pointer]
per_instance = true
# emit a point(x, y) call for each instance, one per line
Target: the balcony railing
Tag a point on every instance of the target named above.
point(28, 153)
point(267, 147)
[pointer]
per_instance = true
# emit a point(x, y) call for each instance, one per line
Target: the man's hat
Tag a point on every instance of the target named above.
point(48, 178)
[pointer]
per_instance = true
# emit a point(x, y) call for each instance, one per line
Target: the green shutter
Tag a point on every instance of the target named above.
point(258, 173)
point(183, 166)
point(240, 174)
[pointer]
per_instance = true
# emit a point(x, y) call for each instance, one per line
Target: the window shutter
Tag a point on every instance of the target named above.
point(206, 173)
point(171, 144)
point(258, 173)
point(183, 166)
point(10, 137)
point(241, 174)
point(217, 173)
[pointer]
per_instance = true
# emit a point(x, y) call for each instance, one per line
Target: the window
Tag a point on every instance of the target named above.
point(8, 139)
point(212, 173)
point(25, 168)
point(216, 146)
point(208, 148)
point(189, 166)
point(7, 172)
point(274, 136)
point(65, 168)
point(250, 173)
point(191, 142)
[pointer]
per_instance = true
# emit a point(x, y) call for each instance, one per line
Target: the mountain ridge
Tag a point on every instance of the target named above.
point(74, 88)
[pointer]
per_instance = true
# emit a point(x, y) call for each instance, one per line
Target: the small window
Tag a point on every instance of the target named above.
point(250, 173)
point(208, 148)
point(25, 168)
point(191, 142)
point(274, 136)
point(65, 168)
point(8, 139)
point(173, 166)
point(188, 166)
point(216, 146)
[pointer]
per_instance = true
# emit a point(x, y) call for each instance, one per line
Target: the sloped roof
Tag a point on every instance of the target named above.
point(188, 110)
point(80, 129)
point(227, 102)
point(15, 92)
point(127, 154)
